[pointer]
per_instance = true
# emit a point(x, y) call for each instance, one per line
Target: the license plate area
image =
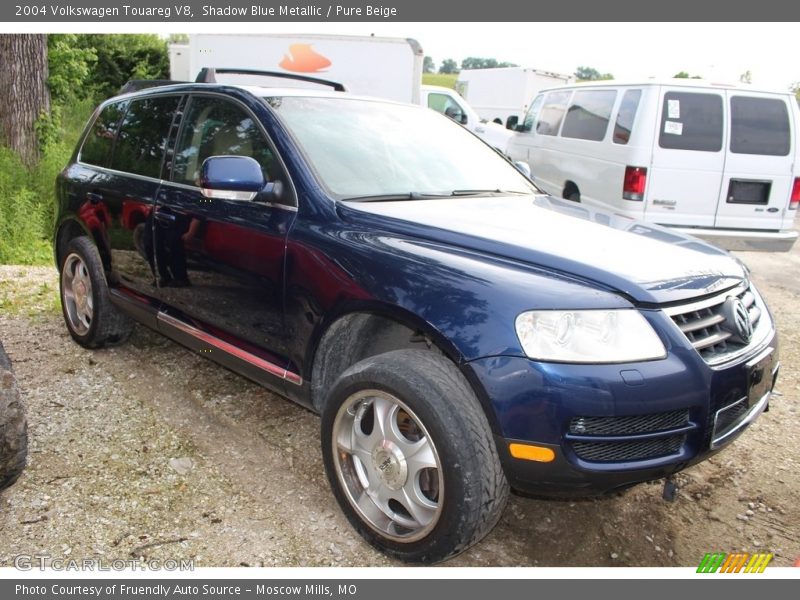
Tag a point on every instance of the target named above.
point(743, 191)
point(762, 372)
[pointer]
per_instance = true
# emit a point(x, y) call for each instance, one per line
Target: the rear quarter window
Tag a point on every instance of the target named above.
point(759, 126)
point(691, 121)
point(99, 141)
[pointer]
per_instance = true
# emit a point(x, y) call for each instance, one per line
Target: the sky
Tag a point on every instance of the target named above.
point(720, 52)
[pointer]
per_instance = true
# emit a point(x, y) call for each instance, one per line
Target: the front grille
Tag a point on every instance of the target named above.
point(628, 450)
point(707, 327)
point(630, 424)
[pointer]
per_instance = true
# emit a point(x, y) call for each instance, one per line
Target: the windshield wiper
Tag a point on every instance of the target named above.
point(482, 192)
point(390, 197)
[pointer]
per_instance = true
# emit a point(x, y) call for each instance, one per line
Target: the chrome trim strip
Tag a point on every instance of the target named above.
point(228, 348)
point(713, 301)
point(751, 416)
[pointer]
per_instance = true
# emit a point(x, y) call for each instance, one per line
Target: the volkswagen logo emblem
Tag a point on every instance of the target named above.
point(737, 320)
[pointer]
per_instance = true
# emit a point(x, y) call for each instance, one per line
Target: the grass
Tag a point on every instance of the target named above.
point(444, 80)
point(27, 196)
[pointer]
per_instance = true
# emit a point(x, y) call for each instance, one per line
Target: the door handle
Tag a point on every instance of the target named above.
point(94, 198)
point(165, 217)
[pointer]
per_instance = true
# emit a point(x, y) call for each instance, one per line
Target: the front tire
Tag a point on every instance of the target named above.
point(91, 319)
point(410, 456)
point(13, 426)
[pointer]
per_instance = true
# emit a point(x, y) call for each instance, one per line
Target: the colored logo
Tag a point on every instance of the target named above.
point(739, 562)
point(303, 59)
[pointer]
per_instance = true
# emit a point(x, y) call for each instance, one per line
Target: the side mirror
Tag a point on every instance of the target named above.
point(523, 168)
point(511, 122)
point(463, 120)
point(231, 178)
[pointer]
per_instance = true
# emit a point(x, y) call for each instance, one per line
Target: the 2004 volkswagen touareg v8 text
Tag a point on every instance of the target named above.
point(460, 332)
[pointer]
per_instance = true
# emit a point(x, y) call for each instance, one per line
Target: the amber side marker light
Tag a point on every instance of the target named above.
point(526, 452)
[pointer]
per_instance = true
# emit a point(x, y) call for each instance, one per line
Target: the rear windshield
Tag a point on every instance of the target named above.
point(759, 126)
point(691, 121)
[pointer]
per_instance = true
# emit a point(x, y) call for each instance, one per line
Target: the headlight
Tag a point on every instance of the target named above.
point(588, 336)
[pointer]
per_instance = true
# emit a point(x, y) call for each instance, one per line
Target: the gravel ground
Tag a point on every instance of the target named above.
point(148, 450)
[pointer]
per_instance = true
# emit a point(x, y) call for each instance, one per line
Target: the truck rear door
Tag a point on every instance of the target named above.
point(685, 178)
point(757, 180)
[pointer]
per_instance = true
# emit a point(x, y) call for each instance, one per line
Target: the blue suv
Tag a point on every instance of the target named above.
point(460, 332)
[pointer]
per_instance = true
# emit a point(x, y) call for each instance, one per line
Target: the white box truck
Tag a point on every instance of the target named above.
point(372, 66)
point(503, 95)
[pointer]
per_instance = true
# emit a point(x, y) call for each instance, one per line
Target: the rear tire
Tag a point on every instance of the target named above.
point(13, 426)
point(91, 319)
point(410, 456)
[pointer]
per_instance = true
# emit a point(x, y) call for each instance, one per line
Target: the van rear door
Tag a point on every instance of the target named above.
point(685, 178)
point(757, 180)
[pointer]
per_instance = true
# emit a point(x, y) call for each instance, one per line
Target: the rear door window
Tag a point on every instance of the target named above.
point(99, 141)
point(587, 118)
point(691, 121)
point(143, 136)
point(552, 113)
point(759, 126)
point(626, 115)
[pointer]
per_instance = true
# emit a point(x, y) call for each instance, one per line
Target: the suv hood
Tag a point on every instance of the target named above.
point(648, 263)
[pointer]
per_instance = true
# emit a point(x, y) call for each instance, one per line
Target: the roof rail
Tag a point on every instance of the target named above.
point(208, 75)
point(134, 85)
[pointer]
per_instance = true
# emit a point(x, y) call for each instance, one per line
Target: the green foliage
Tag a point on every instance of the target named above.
point(27, 196)
point(590, 74)
point(685, 75)
point(70, 65)
point(442, 79)
point(449, 66)
point(428, 66)
point(472, 62)
point(178, 38)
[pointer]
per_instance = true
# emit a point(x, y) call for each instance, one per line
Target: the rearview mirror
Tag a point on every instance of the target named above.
point(231, 178)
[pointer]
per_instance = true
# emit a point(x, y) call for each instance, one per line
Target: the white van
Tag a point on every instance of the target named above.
point(717, 161)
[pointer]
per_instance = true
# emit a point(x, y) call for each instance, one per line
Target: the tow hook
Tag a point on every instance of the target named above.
point(670, 492)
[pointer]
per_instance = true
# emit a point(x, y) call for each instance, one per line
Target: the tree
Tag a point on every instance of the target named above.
point(24, 97)
point(449, 66)
point(69, 66)
point(685, 75)
point(590, 74)
point(472, 62)
point(124, 57)
point(746, 77)
point(428, 66)
point(178, 38)
point(795, 89)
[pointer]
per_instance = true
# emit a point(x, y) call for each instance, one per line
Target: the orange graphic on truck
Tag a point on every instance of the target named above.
point(303, 59)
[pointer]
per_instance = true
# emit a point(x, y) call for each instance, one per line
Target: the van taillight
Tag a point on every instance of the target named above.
point(633, 185)
point(795, 199)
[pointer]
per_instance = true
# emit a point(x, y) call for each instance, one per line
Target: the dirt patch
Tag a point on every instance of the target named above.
point(150, 450)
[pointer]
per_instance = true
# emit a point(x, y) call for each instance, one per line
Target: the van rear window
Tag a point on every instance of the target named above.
point(759, 126)
point(691, 122)
point(587, 117)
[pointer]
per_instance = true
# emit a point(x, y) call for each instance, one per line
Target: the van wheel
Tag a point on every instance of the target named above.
point(410, 456)
point(13, 426)
point(574, 197)
point(91, 319)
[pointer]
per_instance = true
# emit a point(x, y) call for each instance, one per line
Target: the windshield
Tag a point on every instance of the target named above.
point(372, 150)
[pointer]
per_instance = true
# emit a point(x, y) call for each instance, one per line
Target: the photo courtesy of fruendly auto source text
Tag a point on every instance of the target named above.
point(380, 299)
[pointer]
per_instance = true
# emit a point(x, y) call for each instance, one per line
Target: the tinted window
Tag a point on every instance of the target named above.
point(759, 126)
point(143, 136)
point(530, 116)
point(587, 118)
point(626, 116)
point(691, 122)
point(100, 140)
point(216, 127)
point(552, 113)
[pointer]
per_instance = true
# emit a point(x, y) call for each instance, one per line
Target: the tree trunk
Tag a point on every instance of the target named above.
point(24, 96)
